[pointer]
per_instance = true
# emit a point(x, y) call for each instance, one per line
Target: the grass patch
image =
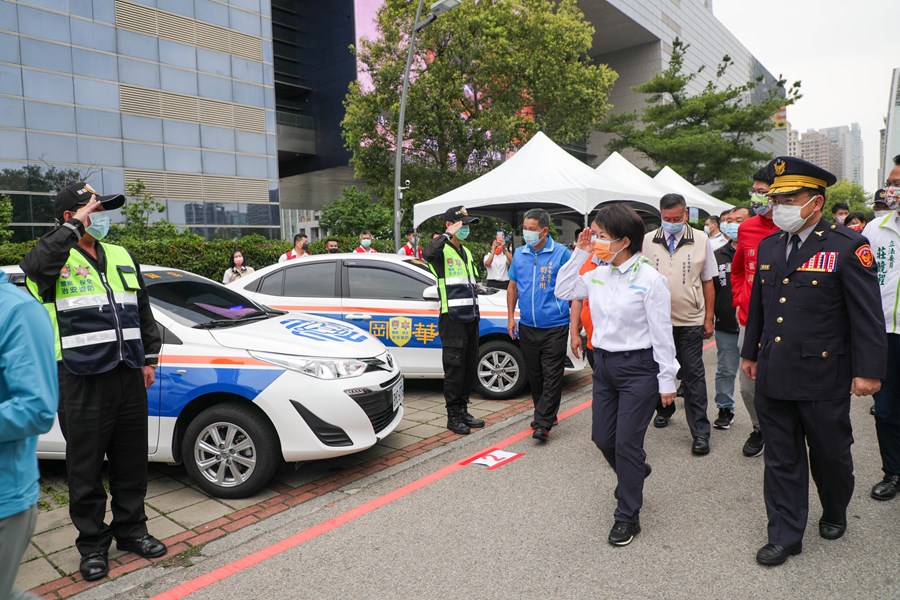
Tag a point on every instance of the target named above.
point(182, 559)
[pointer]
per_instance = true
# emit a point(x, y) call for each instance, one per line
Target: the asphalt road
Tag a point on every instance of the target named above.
point(537, 526)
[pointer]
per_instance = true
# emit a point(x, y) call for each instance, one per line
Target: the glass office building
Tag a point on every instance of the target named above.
point(176, 93)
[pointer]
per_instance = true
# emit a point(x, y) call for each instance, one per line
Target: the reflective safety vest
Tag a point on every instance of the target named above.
point(459, 297)
point(95, 315)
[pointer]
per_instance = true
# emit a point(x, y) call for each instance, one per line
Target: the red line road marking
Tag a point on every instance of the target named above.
point(189, 587)
point(203, 581)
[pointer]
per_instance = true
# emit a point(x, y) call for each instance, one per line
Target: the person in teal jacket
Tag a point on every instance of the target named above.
point(29, 392)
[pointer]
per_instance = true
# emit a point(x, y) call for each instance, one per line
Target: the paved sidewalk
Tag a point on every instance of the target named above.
point(186, 518)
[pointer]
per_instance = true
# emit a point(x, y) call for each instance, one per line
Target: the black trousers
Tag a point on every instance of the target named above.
point(99, 415)
point(500, 284)
point(689, 353)
point(887, 410)
point(625, 391)
point(544, 351)
point(460, 358)
point(791, 426)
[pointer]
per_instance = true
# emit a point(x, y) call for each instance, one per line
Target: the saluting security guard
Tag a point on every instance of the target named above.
point(806, 359)
point(107, 346)
point(452, 264)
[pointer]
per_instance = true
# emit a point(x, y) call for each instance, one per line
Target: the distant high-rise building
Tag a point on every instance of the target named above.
point(793, 141)
point(819, 149)
point(891, 139)
point(849, 140)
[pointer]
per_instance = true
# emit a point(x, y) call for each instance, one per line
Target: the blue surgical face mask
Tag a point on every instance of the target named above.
point(99, 226)
point(365, 243)
point(672, 228)
point(532, 238)
point(463, 232)
point(731, 230)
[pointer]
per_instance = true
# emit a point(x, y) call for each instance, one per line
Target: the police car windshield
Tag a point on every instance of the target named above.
point(196, 302)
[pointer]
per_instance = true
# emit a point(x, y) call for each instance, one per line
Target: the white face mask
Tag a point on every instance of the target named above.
point(788, 218)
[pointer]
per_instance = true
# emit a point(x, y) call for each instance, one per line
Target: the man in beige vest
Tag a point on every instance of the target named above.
point(685, 257)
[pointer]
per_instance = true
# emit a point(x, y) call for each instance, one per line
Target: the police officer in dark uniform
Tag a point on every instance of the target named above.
point(452, 264)
point(813, 279)
point(107, 347)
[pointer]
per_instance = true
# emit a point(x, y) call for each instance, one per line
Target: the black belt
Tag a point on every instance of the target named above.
point(624, 353)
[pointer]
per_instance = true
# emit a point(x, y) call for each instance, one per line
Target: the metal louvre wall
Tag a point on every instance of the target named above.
point(147, 102)
point(188, 31)
point(209, 188)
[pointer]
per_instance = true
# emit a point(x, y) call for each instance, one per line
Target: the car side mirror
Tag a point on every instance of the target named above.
point(431, 293)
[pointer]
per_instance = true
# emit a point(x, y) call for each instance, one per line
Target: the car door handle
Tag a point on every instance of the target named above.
point(359, 317)
point(181, 372)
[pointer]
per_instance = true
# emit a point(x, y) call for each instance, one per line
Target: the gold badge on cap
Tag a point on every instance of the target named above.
point(464, 212)
point(780, 166)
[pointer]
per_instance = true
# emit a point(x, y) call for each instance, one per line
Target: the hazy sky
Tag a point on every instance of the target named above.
point(842, 52)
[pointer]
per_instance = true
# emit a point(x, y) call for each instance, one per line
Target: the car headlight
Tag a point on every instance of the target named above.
point(321, 368)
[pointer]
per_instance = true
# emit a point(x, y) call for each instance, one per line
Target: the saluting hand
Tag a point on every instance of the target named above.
point(584, 240)
point(83, 214)
point(454, 227)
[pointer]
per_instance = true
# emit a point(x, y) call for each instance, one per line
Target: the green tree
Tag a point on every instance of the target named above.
point(354, 212)
point(6, 215)
point(485, 77)
point(852, 194)
point(139, 209)
point(706, 137)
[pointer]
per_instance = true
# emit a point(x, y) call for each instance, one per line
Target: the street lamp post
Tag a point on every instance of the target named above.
point(436, 9)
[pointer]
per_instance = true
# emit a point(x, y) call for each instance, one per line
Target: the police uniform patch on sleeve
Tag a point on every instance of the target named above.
point(864, 254)
point(821, 262)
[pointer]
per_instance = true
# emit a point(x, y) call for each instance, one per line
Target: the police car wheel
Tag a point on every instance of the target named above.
point(501, 371)
point(230, 450)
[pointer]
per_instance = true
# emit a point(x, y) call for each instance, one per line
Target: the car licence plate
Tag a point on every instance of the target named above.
point(397, 395)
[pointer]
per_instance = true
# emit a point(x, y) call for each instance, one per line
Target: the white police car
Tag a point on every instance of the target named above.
point(395, 299)
point(241, 386)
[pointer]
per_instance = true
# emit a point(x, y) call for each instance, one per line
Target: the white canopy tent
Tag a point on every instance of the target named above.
point(619, 167)
point(540, 174)
point(693, 195)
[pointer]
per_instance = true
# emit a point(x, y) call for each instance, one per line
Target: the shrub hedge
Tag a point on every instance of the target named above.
point(210, 258)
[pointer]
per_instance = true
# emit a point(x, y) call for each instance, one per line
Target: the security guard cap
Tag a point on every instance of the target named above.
point(879, 197)
point(790, 174)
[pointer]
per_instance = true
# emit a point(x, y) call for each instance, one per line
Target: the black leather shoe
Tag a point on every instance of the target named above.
point(541, 434)
point(94, 566)
point(887, 488)
point(145, 546)
point(622, 533)
point(832, 529)
point(660, 421)
point(771, 555)
point(700, 446)
point(472, 421)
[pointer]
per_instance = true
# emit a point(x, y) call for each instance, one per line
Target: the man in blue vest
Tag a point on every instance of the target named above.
point(107, 347)
point(543, 329)
point(452, 264)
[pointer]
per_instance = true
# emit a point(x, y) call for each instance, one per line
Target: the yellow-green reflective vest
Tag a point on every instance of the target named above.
point(457, 291)
point(95, 315)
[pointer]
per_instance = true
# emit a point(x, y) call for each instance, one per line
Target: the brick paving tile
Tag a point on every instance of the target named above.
point(212, 525)
point(240, 524)
point(207, 537)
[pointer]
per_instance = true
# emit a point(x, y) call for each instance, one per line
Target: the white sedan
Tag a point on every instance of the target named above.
point(241, 386)
point(395, 299)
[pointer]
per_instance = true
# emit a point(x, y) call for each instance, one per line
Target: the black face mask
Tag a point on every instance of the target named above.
point(304, 246)
point(333, 250)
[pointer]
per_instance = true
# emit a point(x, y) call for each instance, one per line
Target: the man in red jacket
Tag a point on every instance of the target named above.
point(743, 269)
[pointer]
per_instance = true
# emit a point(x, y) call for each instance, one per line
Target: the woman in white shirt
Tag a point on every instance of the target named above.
point(634, 353)
point(237, 268)
point(497, 264)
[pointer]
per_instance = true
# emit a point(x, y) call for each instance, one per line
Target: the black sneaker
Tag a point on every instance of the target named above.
point(755, 444)
point(622, 533)
point(541, 434)
point(726, 416)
